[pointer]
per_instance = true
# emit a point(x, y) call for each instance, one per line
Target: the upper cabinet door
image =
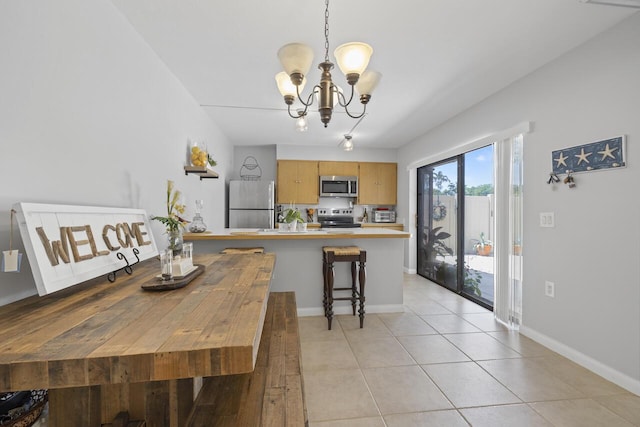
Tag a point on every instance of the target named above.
point(338, 168)
point(297, 182)
point(378, 183)
point(388, 183)
point(367, 183)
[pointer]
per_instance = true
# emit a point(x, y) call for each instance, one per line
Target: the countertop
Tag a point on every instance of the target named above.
point(262, 234)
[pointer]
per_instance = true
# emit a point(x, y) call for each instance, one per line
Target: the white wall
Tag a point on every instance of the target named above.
point(359, 154)
point(265, 156)
point(593, 253)
point(89, 115)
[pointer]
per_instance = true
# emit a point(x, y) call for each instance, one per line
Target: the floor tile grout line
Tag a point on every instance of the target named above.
point(364, 378)
point(512, 346)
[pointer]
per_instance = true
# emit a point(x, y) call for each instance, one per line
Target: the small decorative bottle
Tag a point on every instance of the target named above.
point(197, 223)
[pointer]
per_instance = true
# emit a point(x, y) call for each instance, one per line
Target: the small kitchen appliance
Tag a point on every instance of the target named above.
point(384, 215)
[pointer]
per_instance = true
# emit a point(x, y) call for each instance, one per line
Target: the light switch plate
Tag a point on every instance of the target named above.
point(547, 219)
point(549, 289)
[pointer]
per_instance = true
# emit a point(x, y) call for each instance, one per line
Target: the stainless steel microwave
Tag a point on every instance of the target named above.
point(338, 186)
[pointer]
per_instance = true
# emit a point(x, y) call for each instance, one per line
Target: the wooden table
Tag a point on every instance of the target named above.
point(102, 347)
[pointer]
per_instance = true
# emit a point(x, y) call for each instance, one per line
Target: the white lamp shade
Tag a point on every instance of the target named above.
point(348, 145)
point(368, 82)
point(353, 57)
point(296, 58)
point(286, 87)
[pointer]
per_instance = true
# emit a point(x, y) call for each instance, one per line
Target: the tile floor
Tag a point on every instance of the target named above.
point(446, 362)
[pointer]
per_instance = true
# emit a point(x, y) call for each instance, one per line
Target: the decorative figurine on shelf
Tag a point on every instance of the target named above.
point(173, 221)
point(197, 223)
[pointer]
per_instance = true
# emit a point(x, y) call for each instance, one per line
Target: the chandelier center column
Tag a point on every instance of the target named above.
point(325, 104)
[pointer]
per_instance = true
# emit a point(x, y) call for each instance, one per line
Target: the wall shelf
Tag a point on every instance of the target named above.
point(202, 171)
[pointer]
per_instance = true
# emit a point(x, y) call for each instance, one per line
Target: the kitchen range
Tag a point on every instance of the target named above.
point(336, 218)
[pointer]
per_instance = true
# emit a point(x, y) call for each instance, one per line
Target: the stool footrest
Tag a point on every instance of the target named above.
point(345, 299)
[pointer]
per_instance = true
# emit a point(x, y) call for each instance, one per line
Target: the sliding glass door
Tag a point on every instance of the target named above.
point(456, 224)
point(479, 226)
point(438, 222)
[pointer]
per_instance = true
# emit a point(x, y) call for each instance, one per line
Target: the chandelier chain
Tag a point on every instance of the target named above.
point(326, 31)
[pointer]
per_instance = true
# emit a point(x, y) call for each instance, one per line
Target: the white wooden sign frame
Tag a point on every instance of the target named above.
point(67, 245)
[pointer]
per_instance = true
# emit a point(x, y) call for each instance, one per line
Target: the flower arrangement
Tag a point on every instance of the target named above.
point(292, 214)
point(173, 221)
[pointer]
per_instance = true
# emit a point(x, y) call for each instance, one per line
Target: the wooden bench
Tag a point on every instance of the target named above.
point(270, 395)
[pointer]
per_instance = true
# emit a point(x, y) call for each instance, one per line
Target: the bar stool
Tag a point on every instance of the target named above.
point(352, 254)
point(242, 251)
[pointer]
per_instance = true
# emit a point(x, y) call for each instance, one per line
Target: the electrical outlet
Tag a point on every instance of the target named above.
point(547, 219)
point(550, 289)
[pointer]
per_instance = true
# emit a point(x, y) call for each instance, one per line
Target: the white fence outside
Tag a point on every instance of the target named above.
point(478, 219)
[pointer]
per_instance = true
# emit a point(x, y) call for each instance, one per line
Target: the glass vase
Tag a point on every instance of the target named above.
point(175, 241)
point(197, 223)
point(198, 154)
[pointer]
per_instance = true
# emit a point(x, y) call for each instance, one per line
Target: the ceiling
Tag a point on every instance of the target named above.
point(437, 57)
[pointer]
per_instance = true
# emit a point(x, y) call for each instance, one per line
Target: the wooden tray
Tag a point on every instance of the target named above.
point(157, 284)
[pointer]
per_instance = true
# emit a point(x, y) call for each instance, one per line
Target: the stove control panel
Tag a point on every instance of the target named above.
point(335, 212)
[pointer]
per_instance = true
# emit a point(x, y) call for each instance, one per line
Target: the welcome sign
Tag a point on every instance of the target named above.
point(67, 245)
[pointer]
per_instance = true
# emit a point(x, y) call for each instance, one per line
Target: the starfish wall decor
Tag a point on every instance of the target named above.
point(605, 154)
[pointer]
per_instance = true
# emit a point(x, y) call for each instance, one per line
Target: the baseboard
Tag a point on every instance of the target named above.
point(616, 377)
point(370, 309)
point(410, 270)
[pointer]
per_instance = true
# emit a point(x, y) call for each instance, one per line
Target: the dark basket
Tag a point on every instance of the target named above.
point(27, 410)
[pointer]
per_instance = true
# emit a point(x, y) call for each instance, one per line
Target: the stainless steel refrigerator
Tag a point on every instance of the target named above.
point(251, 204)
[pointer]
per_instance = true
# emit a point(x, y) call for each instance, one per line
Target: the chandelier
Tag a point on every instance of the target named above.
point(352, 59)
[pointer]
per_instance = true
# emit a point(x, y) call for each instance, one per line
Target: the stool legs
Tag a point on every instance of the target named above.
point(324, 284)
point(362, 277)
point(330, 278)
point(357, 288)
point(354, 291)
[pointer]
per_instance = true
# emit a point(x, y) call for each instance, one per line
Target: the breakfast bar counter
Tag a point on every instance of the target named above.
point(299, 266)
point(102, 347)
point(310, 234)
